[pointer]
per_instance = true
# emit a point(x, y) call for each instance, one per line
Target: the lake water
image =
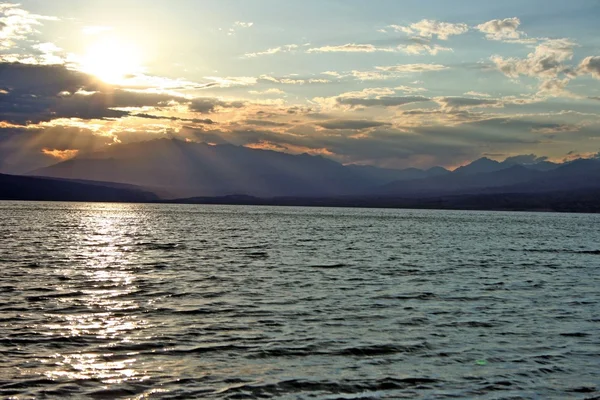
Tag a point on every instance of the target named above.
point(184, 301)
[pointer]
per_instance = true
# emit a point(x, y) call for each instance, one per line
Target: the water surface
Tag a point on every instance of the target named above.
point(187, 301)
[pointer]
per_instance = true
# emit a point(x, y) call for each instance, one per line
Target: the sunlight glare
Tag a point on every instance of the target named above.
point(112, 61)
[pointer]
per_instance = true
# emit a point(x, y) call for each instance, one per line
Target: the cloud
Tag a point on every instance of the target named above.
point(384, 101)
point(351, 48)
point(501, 29)
point(477, 94)
point(369, 92)
point(409, 89)
point(552, 129)
point(417, 46)
point(207, 105)
point(17, 24)
point(233, 80)
point(272, 91)
point(590, 65)
point(290, 80)
point(430, 28)
point(546, 61)
point(372, 75)
point(237, 25)
point(413, 68)
point(206, 121)
point(243, 24)
point(525, 159)
point(421, 45)
point(281, 49)
point(38, 93)
point(555, 88)
point(459, 103)
point(267, 123)
point(369, 97)
point(351, 124)
point(62, 155)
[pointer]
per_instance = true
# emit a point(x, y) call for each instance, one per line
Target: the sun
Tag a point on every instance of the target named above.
point(112, 61)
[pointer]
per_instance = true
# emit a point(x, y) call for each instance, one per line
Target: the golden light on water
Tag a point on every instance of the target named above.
point(100, 287)
point(112, 60)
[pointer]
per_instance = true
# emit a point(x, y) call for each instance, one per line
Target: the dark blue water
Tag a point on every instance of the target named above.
point(157, 301)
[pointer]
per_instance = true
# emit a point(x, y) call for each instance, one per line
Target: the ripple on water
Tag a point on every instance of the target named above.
point(164, 301)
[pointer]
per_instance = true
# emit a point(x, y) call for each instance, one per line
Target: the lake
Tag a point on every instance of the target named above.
point(232, 302)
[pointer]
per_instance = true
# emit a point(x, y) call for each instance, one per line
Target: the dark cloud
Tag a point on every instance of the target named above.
point(526, 159)
point(207, 105)
point(37, 93)
point(260, 122)
point(351, 124)
point(465, 102)
point(591, 65)
point(163, 117)
point(383, 145)
point(381, 101)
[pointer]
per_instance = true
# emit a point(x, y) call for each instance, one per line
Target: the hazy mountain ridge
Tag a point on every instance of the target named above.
point(191, 169)
point(177, 169)
point(579, 174)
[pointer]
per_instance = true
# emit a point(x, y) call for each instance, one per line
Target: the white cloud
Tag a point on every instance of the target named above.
point(501, 29)
point(284, 80)
point(237, 25)
point(17, 24)
point(546, 61)
point(409, 89)
point(233, 80)
point(272, 91)
point(431, 28)
point(243, 24)
point(462, 103)
point(369, 93)
point(477, 94)
point(420, 45)
point(555, 88)
point(371, 75)
point(351, 48)
point(412, 68)
point(281, 49)
point(48, 53)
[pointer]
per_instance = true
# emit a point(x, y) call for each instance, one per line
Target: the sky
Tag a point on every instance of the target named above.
point(391, 83)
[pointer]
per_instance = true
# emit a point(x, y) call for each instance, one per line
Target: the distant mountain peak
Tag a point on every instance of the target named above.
point(481, 165)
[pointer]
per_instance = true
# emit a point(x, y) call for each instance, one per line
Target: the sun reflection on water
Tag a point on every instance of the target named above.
point(96, 308)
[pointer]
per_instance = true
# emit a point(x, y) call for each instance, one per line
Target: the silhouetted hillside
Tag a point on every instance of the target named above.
point(13, 187)
point(583, 201)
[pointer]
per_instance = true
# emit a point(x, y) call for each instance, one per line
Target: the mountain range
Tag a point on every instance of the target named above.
point(174, 169)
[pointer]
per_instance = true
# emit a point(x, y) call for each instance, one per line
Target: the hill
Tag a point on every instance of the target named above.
point(14, 187)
